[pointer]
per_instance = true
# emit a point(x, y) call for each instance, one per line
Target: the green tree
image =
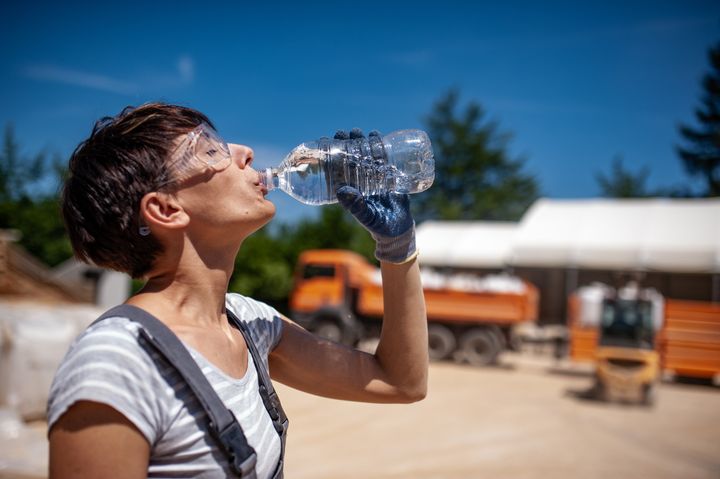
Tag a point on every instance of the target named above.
point(335, 228)
point(623, 183)
point(701, 156)
point(29, 201)
point(261, 269)
point(266, 262)
point(475, 178)
point(19, 176)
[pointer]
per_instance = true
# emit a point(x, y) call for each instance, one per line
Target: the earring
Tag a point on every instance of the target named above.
point(144, 231)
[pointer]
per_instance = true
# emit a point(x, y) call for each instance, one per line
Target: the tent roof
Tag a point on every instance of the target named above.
point(673, 235)
point(465, 244)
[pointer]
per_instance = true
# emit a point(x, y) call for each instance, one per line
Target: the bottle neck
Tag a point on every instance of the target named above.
point(269, 178)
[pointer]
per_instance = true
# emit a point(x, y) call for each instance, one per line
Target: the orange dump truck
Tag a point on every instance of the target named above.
point(338, 295)
point(687, 341)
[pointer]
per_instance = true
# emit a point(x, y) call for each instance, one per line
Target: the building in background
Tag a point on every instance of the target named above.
point(23, 277)
point(672, 245)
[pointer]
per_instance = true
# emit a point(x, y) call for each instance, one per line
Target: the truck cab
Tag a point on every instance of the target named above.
point(325, 291)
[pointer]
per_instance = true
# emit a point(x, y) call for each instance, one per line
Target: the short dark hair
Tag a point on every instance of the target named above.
point(124, 158)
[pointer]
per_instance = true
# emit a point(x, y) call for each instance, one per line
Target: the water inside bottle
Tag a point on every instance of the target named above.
point(313, 171)
point(314, 179)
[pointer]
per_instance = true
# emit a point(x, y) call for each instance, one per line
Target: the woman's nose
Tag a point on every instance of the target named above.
point(242, 155)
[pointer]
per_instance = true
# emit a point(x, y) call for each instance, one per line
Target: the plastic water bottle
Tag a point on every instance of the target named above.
point(401, 161)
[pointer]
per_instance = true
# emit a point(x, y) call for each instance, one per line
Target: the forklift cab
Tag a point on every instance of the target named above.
point(627, 362)
point(627, 323)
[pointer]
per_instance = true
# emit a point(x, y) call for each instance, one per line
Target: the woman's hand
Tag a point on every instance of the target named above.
point(386, 216)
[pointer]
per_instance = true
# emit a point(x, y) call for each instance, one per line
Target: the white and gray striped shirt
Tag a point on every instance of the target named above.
point(107, 364)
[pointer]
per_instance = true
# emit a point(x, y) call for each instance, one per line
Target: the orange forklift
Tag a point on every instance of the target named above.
point(627, 362)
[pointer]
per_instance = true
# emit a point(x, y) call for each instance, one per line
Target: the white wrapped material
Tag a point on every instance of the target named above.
point(431, 279)
point(32, 350)
point(34, 340)
point(24, 451)
point(591, 299)
point(632, 291)
point(493, 283)
point(658, 313)
point(502, 283)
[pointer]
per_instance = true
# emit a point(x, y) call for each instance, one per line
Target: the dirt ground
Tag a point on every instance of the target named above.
point(520, 420)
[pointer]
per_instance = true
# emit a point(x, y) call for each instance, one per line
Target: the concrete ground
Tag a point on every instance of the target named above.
point(523, 419)
point(520, 420)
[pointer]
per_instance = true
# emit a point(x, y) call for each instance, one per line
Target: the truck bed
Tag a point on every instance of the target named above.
point(689, 343)
point(463, 307)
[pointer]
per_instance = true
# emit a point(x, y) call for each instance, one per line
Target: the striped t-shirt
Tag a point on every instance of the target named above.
point(107, 364)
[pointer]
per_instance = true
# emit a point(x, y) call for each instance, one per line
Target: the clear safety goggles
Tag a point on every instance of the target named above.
point(201, 150)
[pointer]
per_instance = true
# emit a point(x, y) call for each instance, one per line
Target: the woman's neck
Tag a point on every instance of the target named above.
point(190, 288)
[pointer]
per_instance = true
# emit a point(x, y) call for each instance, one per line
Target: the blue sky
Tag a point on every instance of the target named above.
point(576, 83)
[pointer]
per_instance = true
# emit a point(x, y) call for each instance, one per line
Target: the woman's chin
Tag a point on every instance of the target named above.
point(271, 210)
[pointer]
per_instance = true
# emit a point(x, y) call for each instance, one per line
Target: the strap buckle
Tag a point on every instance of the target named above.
point(246, 468)
point(243, 457)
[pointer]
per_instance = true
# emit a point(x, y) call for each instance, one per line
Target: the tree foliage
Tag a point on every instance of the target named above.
point(701, 155)
point(265, 265)
point(261, 270)
point(29, 201)
point(475, 178)
point(623, 183)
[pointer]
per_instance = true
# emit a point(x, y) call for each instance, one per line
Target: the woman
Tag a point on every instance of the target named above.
point(156, 193)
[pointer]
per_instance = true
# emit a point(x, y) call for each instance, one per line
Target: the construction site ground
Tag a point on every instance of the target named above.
point(523, 419)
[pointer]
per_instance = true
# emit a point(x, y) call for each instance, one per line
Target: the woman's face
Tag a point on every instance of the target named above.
point(229, 201)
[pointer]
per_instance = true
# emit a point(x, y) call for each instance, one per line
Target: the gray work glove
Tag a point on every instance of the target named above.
point(386, 216)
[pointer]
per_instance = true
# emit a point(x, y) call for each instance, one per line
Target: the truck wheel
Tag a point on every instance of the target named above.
point(500, 340)
point(478, 347)
point(337, 325)
point(441, 342)
point(329, 330)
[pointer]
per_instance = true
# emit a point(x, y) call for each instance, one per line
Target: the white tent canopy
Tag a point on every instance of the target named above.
point(465, 244)
point(670, 235)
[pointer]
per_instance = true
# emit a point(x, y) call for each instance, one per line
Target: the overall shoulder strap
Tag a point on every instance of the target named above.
point(267, 392)
point(223, 425)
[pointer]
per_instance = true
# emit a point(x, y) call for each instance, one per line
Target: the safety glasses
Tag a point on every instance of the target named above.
point(201, 150)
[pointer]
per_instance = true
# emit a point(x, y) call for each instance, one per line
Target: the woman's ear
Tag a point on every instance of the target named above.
point(160, 210)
